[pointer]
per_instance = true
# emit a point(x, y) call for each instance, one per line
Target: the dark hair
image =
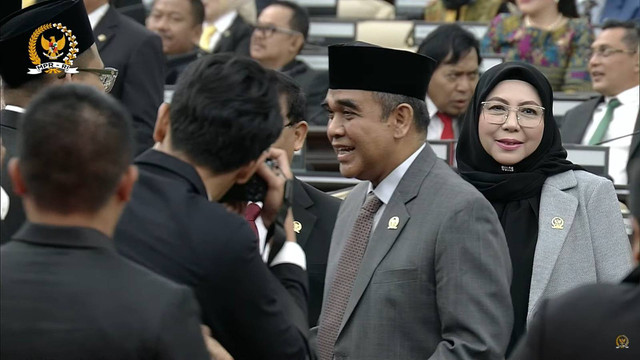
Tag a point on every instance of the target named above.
point(197, 11)
point(449, 39)
point(568, 8)
point(224, 112)
point(388, 103)
point(631, 36)
point(74, 145)
point(296, 102)
point(299, 19)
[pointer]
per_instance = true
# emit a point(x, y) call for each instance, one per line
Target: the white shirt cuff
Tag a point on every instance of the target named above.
point(291, 253)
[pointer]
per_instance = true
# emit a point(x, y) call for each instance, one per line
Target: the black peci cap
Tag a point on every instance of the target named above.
point(363, 66)
point(43, 38)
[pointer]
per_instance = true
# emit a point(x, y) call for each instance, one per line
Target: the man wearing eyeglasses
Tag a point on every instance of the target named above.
point(44, 45)
point(278, 37)
point(611, 119)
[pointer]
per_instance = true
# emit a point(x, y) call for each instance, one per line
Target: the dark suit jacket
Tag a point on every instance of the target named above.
point(176, 64)
point(172, 228)
point(576, 121)
point(137, 54)
point(585, 323)
point(66, 294)
point(15, 216)
point(314, 84)
point(236, 38)
point(316, 213)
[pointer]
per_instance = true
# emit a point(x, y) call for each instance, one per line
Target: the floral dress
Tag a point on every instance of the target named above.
point(560, 54)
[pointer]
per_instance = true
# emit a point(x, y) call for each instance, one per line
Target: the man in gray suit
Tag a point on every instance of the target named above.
point(614, 117)
point(425, 271)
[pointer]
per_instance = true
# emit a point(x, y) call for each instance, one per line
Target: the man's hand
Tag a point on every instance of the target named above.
point(216, 351)
point(275, 179)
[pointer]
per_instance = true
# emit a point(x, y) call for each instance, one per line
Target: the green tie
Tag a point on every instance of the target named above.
point(604, 123)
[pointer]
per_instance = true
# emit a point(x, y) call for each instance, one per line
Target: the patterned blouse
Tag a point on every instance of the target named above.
point(560, 54)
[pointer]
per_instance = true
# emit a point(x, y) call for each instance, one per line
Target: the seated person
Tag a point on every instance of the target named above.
point(549, 35)
point(463, 10)
point(278, 37)
point(179, 24)
point(223, 29)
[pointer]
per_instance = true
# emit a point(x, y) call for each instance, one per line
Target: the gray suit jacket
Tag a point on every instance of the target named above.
point(587, 245)
point(435, 287)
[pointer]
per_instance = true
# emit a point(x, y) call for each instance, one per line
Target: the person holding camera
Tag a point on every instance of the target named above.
point(215, 134)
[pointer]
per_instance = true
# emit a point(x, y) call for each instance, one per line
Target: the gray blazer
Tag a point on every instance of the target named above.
point(586, 243)
point(435, 287)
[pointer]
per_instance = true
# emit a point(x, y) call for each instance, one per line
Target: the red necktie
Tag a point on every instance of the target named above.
point(251, 213)
point(447, 132)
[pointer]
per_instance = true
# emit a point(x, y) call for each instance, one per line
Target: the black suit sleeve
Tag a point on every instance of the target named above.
point(143, 89)
point(530, 345)
point(180, 336)
point(260, 322)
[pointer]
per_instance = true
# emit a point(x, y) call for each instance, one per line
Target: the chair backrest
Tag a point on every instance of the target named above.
point(396, 34)
point(365, 9)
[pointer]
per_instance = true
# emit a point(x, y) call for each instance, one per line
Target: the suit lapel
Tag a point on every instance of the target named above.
point(556, 214)
point(384, 235)
point(106, 29)
point(579, 128)
point(303, 219)
point(226, 35)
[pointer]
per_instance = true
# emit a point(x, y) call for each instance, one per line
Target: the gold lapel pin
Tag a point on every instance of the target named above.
point(557, 223)
point(226, 33)
point(393, 223)
point(102, 37)
point(297, 227)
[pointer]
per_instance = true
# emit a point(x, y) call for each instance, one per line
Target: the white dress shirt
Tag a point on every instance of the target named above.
point(97, 15)
point(388, 186)
point(435, 128)
point(4, 203)
point(622, 123)
point(291, 252)
point(222, 24)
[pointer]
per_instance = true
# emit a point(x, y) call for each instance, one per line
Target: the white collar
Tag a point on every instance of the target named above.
point(388, 186)
point(431, 107)
point(14, 108)
point(97, 15)
point(224, 22)
point(629, 96)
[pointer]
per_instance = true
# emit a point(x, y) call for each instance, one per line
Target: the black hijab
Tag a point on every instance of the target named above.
point(514, 191)
point(487, 175)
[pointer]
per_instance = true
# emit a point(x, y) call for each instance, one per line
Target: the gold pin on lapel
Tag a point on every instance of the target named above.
point(102, 37)
point(297, 227)
point(393, 223)
point(557, 223)
point(226, 33)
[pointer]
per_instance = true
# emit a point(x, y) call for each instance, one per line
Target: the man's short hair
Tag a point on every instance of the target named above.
point(449, 39)
point(197, 11)
point(299, 19)
point(296, 102)
point(224, 112)
point(388, 103)
point(74, 145)
point(631, 36)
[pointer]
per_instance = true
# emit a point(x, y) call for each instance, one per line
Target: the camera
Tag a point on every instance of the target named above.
point(253, 190)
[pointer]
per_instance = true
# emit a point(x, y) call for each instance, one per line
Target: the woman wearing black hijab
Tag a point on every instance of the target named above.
point(563, 225)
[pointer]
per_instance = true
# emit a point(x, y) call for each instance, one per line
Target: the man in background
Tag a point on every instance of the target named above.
point(457, 53)
point(613, 118)
point(224, 30)
point(277, 39)
point(137, 53)
point(66, 292)
point(179, 25)
point(24, 33)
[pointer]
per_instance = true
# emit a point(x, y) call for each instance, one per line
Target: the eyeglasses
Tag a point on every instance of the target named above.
point(605, 52)
point(107, 76)
point(269, 30)
point(497, 113)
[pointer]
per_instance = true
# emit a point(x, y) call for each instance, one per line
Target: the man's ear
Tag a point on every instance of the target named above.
point(245, 172)
point(127, 181)
point(19, 186)
point(401, 120)
point(163, 123)
point(301, 129)
point(297, 43)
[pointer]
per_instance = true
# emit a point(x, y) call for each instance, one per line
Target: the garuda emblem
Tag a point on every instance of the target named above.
point(52, 46)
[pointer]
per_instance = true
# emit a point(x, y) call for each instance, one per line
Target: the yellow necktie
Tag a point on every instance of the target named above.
point(205, 39)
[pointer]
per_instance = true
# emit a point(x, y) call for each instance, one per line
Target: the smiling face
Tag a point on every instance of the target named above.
point(173, 20)
point(362, 140)
point(509, 143)
point(617, 72)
